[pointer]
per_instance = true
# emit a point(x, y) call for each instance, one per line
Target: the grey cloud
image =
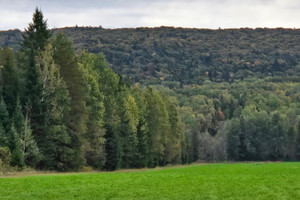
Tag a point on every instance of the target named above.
point(136, 13)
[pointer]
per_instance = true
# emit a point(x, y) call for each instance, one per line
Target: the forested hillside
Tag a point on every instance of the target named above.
point(182, 95)
point(172, 56)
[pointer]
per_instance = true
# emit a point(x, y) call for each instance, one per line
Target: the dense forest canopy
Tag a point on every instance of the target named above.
point(146, 97)
point(173, 56)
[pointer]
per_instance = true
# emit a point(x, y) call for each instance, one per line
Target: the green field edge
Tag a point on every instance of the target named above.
point(32, 172)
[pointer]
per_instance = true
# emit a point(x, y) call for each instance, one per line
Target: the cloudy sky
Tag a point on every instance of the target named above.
point(153, 13)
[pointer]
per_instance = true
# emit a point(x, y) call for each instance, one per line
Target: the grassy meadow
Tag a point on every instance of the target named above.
point(211, 181)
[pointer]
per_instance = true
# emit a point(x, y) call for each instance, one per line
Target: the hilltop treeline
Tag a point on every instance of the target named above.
point(178, 56)
point(184, 95)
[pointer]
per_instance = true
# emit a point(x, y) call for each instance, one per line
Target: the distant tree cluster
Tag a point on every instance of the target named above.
point(247, 120)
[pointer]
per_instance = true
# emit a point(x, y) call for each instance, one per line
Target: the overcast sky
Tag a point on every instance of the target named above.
point(153, 13)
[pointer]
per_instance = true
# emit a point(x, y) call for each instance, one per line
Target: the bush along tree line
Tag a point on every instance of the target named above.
point(62, 110)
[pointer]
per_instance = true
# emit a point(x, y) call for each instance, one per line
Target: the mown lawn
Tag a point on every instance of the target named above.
point(213, 181)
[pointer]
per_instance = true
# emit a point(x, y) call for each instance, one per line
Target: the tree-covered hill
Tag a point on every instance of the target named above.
point(178, 56)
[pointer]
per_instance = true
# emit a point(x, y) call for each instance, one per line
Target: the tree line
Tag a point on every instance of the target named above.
point(62, 109)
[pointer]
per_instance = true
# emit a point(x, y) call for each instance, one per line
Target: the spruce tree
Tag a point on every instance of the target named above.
point(46, 98)
point(36, 36)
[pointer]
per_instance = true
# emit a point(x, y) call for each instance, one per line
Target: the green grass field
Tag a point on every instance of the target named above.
point(212, 181)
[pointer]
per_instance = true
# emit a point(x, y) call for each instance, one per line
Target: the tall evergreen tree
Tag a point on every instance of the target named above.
point(36, 36)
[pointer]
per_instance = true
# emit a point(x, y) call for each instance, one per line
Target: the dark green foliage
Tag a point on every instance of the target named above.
point(129, 122)
point(112, 149)
point(37, 34)
point(9, 85)
point(5, 125)
point(33, 98)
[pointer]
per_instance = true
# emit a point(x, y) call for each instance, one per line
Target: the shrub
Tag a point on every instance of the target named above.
point(5, 156)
